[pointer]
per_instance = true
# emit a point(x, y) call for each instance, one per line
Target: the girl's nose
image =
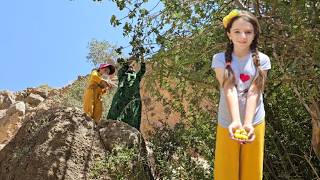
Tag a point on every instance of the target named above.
point(243, 35)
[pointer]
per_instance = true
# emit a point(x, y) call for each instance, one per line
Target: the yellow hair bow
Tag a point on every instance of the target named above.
point(228, 17)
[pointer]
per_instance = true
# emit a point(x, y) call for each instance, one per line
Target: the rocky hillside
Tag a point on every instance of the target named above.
point(61, 143)
point(43, 139)
point(16, 107)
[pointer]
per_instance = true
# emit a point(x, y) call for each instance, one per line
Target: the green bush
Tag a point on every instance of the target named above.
point(185, 152)
point(121, 163)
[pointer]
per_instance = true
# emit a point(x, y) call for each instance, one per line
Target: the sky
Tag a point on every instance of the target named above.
point(46, 41)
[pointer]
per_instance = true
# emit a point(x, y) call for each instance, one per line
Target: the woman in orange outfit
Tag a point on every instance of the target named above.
point(96, 87)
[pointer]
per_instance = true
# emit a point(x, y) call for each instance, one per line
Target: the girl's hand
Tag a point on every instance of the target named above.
point(109, 86)
point(104, 90)
point(233, 127)
point(250, 130)
point(103, 84)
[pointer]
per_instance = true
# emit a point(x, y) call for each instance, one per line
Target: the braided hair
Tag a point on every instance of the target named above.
point(228, 72)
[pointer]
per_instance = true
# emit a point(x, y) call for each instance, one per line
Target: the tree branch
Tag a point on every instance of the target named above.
point(240, 4)
point(302, 100)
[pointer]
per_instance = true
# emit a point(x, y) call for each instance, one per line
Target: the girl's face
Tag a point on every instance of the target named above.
point(105, 71)
point(241, 34)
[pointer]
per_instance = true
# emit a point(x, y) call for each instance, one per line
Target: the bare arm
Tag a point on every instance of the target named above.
point(251, 105)
point(107, 84)
point(231, 95)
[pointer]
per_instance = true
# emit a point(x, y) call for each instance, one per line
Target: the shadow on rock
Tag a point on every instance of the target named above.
point(60, 143)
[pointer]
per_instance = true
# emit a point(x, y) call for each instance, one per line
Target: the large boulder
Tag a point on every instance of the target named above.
point(3, 113)
point(17, 108)
point(10, 121)
point(9, 125)
point(34, 99)
point(43, 92)
point(115, 134)
point(62, 143)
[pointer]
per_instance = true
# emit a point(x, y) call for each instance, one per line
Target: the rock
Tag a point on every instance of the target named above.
point(10, 121)
point(53, 92)
point(43, 92)
point(115, 131)
point(21, 96)
point(3, 113)
point(60, 143)
point(34, 99)
point(2, 145)
point(7, 98)
point(9, 126)
point(19, 107)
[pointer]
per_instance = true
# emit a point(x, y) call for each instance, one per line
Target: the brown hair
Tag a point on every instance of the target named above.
point(259, 79)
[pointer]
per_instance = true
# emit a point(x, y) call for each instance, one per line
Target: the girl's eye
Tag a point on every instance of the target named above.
point(248, 32)
point(236, 31)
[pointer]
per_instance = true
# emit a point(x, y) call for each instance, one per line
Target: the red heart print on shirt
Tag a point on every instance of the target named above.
point(244, 77)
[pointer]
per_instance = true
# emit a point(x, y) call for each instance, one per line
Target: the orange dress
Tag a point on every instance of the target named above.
point(92, 99)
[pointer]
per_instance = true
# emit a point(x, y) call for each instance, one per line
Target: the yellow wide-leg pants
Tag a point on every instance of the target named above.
point(235, 161)
point(92, 104)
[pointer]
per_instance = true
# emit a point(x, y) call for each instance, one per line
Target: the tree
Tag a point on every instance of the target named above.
point(102, 52)
point(180, 39)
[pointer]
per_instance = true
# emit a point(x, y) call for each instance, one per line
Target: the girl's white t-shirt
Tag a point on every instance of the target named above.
point(244, 71)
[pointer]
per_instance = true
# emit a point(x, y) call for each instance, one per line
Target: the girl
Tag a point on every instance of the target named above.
point(241, 71)
point(96, 87)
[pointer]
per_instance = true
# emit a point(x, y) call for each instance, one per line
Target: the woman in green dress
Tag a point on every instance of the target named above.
point(126, 104)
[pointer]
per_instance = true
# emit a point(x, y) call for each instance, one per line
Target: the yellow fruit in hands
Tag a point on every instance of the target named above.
point(241, 134)
point(237, 135)
point(243, 131)
point(245, 137)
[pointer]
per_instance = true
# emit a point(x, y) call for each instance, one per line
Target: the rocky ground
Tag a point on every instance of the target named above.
point(40, 138)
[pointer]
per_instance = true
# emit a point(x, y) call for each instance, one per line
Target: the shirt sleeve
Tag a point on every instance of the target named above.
point(218, 61)
point(265, 63)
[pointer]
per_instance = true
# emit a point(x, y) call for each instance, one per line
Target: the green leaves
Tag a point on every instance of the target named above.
point(121, 4)
point(114, 21)
point(143, 12)
point(187, 33)
point(127, 29)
